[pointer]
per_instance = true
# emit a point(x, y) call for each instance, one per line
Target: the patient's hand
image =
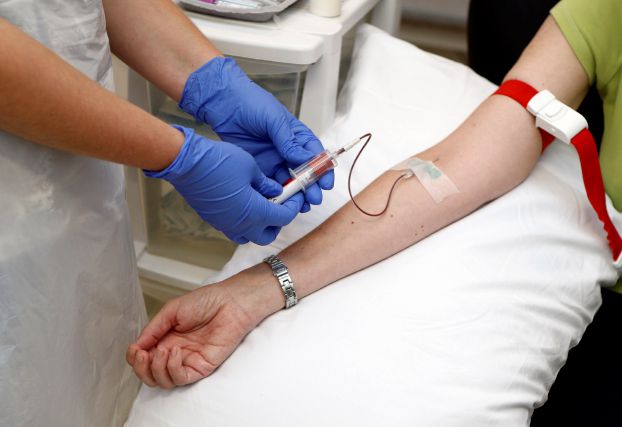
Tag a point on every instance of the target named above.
point(193, 334)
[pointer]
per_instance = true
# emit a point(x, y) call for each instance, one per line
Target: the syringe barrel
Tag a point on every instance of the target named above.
point(307, 174)
point(312, 170)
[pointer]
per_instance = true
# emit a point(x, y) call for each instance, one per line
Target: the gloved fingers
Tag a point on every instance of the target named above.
point(282, 175)
point(313, 194)
point(159, 371)
point(142, 368)
point(264, 237)
point(284, 139)
point(311, 142)
point(327, 181)
point(314, 146)
point(240, 240)
point(268, 159)
point(265, 186)
point(276, 215)
point(304, 205)
point(296, 202)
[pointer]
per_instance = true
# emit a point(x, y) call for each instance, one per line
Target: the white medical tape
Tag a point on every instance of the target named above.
point(433, 179)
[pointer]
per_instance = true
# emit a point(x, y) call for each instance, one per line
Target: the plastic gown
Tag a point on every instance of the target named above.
point(70, 302)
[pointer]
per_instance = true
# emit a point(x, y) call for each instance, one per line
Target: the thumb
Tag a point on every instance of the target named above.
point(265, 186)
point(162, 322)
point(281, 215)
point(264, 237)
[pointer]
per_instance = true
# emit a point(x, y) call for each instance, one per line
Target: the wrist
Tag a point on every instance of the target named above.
point(163, 151)
point(257, 291)
point(174, 148)
point(181, 148)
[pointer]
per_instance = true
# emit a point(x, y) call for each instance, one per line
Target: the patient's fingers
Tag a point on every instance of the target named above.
point(181, 374)
point(142, 369)
point(159, 371)
point(158, 326)
point(199, 363)
point(130, 354)
point(175, 368)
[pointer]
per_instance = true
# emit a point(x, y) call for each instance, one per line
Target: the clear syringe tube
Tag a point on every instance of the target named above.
point(310, 172)
point(307, 174)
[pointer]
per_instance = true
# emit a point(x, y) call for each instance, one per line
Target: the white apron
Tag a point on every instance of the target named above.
point(70, 302)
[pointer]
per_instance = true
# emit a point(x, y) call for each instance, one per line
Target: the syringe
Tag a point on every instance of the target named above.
point(310, 172)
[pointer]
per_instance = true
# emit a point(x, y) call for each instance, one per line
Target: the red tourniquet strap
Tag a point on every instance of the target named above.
point(519, 91)
point(547, 139)
point(522, 93)
point(588, 156)
point(593, 181)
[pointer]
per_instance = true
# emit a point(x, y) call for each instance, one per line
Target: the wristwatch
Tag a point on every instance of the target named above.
point(281, 272)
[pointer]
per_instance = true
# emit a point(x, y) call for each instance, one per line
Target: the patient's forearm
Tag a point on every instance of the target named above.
point(483, 163)
point(490, 153)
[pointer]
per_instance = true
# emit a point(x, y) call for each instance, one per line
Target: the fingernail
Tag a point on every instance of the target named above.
point(140, 358)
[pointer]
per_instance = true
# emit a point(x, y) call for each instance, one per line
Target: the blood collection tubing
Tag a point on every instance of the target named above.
point(310, 172)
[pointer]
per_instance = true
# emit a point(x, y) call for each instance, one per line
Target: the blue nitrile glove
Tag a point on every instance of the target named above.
point(241, 112)
point(224, 185)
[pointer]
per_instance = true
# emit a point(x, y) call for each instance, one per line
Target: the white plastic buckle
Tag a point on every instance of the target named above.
point(555, 117)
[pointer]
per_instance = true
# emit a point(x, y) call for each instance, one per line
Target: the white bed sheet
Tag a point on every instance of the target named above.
point(467, 328)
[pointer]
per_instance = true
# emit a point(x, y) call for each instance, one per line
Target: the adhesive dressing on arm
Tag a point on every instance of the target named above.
point(433, 179)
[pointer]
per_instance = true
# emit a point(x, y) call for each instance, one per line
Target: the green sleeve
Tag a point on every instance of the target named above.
point(593, 29)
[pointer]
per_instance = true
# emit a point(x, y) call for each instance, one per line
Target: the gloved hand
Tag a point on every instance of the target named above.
point(241, 112)
point(224, 185)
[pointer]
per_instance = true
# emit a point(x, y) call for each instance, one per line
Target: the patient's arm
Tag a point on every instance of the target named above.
point(490, 153)
point(494, 150)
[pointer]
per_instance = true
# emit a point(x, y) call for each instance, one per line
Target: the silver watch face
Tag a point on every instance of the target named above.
point(280, 270)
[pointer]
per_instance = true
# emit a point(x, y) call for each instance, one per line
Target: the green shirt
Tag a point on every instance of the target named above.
point(593, 28)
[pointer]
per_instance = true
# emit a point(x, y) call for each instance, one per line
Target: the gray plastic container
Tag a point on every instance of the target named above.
point(260, 14)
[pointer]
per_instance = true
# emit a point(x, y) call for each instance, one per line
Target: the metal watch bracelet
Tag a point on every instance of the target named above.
point(280, 271)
